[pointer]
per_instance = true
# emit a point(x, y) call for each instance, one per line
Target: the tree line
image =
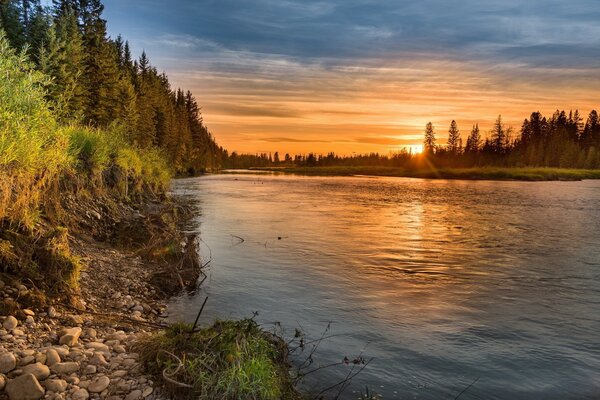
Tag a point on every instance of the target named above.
point(95, 80)
point(563, 140)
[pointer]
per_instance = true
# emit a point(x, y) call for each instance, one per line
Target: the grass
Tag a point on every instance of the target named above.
point(42, 161)
point(484, 173)
point(229, 360)
point(36, 151)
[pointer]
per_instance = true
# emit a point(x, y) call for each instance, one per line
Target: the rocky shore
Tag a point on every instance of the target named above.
point(82, 345)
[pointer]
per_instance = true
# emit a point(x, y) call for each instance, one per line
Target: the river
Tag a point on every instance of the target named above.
point(442, 283)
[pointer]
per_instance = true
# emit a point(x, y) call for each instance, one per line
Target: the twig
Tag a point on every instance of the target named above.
point(467, 388)
point(241, 239)
point(198, 316)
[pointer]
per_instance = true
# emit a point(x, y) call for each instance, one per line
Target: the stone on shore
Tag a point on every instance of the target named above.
point(56, 385)
point(98, 385)
point(64, 368)
point(8, 362)
point(25, 387)
point(10, 323)
point(52, 357)
point(80, 394)
point(40, 371)
point(69, 336)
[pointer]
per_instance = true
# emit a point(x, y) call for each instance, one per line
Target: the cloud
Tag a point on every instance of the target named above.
point(362, 74)
point(291, 140)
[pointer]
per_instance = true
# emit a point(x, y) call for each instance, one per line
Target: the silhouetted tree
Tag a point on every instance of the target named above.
point(429, 142)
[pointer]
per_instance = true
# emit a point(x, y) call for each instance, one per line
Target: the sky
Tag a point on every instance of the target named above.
point(357, 76)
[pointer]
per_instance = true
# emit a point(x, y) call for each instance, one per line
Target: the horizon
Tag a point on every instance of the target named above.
point(347, 77)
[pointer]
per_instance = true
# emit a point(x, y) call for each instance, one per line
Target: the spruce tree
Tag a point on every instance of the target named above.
point(474, 140)
point(429, 142)
point(454, 141)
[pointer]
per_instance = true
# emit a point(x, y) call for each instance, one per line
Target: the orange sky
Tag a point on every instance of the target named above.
point(371, 108)
point(357, 76)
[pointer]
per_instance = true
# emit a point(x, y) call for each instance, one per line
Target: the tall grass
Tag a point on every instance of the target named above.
point(36, 151)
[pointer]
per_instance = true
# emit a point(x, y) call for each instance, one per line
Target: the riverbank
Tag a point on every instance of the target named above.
point(88, 338)
point(77, 343)
point(486, 173)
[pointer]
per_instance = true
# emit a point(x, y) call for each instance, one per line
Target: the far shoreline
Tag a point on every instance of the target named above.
point(527, 174)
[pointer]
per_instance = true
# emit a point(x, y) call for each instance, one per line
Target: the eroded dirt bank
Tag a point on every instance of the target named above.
point(79, 342)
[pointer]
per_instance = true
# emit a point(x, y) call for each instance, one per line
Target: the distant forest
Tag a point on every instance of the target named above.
point(563, 140)
point(94, 80)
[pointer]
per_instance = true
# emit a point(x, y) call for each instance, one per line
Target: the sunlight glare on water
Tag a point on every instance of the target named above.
point(440, 282)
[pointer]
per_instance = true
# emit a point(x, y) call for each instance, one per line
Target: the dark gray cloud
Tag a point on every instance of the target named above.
point(344, 31)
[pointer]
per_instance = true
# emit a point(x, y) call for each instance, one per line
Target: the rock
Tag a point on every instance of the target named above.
point(119, 335)
point(119, 349)
point(98, 360)
point(52, 357)
point(52, 312)
point(40, 371)
point(41, 358)
point(69, 336)
point(76, 319)
point(25, 387)
point(28, 313)
point(26, 360)
point(98, 385)
point(134, 395)
point(119, 373)
point(64, 368)
point(147, 392)
point(80, 394)
point(2, 382)
point(29, 320)
point(18, 332)
point(56, 385)
point(8, 362)
point(62, 351)
point(128, 362)
point(90, 370)
point(10, 323)
point(98, 347)
point(90, 333)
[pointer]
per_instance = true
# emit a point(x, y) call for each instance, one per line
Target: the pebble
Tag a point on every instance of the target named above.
point(80, 394)
point(98, 360)
point(10, 323)
point(26, 360)
point(8, 362)
point(65, 367)
point(134, 395)
point(52, 357)
point(90, 370)
point(99, 384)
point(40, 371)
point(56, 385)
point(69, 336)
point(24, 387)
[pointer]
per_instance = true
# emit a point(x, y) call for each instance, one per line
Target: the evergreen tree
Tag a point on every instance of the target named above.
point(429, 142)
point(474, 140)
point(499, 136)
point(454, 141)
point(10, 22)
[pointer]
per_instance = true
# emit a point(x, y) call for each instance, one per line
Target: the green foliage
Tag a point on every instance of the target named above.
point(37, 151)
point(229, 360)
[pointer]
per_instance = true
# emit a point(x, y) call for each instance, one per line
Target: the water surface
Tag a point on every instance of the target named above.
point(441, 282)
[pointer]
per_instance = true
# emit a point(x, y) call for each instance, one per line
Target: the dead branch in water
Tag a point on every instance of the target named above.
point(241, 239)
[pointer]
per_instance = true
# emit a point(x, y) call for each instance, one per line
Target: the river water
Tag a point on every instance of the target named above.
point(441, 283)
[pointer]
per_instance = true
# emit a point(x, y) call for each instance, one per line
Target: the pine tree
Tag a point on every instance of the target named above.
point(10, 22)
point(429, 142)
point(474, 140)
point(454, 141)
point(499, 136)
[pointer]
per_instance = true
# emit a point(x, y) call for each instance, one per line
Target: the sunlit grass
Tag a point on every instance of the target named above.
point(229, 360)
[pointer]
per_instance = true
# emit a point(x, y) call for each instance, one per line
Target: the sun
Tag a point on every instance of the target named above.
point(416, 149)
